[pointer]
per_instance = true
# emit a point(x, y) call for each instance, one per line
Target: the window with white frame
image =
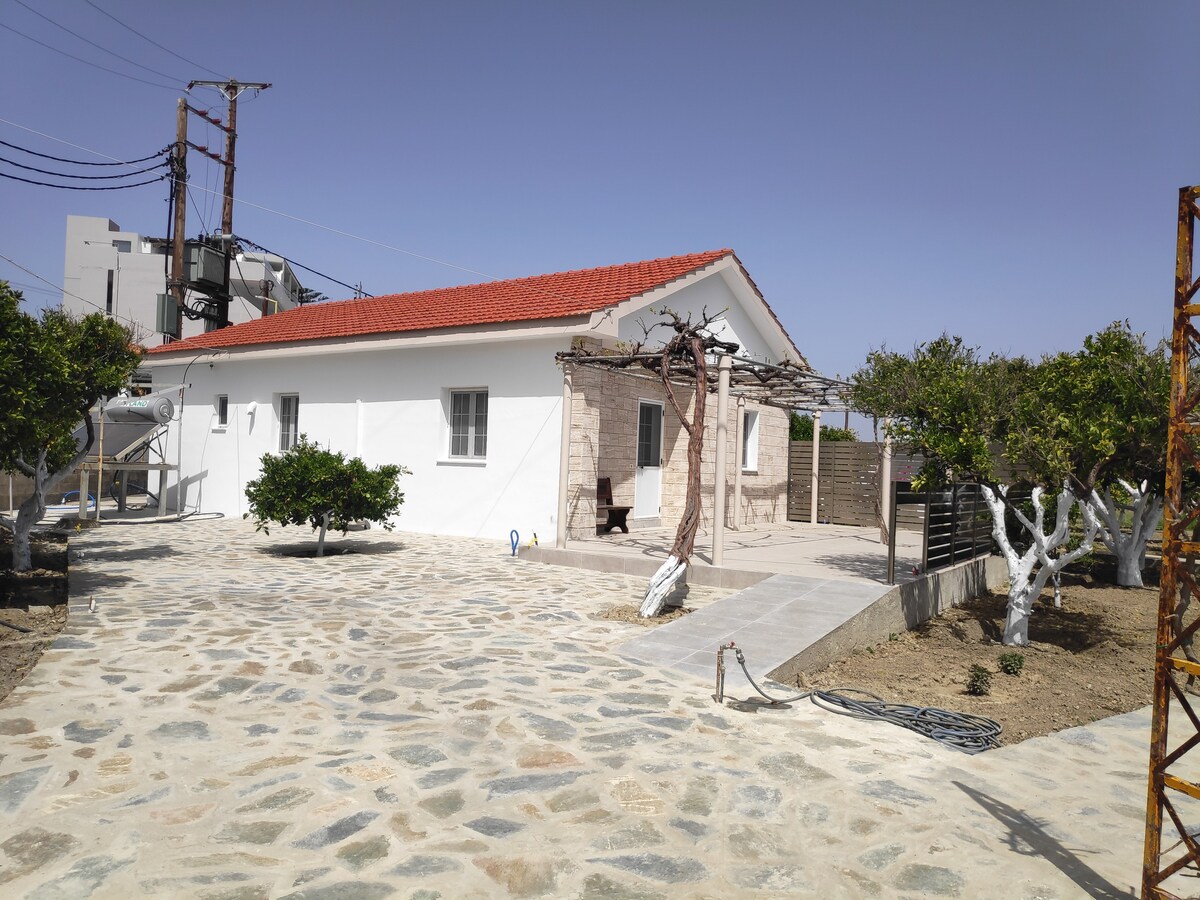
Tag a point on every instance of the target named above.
point(749, 441)
point(289, 421)
point(222, 410)
point(468, 424)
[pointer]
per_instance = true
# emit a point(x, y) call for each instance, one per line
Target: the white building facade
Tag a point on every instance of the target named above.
point(121, 273)
point(474, 409)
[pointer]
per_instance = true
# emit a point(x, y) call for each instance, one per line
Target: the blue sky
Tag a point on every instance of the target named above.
point(885, 171)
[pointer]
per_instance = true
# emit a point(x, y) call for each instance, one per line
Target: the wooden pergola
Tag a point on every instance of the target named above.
point(785, 385)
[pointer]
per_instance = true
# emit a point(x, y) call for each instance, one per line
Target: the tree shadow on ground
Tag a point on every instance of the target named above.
point(1028, 837)
point(92, 581)
point(1071, 629)
point(308, 549)
point(865, 565)
point(100, 552)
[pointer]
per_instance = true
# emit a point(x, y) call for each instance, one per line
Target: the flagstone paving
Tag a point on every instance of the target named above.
point(433, 719)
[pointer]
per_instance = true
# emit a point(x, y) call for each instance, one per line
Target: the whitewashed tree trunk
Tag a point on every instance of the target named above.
point(1029, 572)
point(661, 585)
point(33, 510)
point(1129, 548)
point(324, 528)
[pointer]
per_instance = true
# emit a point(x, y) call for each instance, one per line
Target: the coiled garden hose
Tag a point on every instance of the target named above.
point(962, 731)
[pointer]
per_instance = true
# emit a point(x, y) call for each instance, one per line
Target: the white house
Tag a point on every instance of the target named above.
point(461, 386)
point(121, 273)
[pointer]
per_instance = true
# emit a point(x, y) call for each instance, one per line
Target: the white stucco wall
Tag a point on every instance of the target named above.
point(387, 406)
point(711, 295)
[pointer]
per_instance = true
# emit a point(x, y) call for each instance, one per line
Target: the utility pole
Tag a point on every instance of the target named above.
point(230, 90)
point(179, 170)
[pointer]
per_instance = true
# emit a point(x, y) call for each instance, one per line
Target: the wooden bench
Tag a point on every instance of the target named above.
point(613, 516)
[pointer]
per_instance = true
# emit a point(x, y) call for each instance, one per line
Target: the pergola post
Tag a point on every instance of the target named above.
point(724, 367)
point(739, 461)
point(885, 482)
point(564, 460)
point(816, 465)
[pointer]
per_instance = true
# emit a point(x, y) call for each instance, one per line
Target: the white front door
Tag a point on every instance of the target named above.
point(647, 483)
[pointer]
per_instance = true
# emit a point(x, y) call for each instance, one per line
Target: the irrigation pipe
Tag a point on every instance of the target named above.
point(961, 731)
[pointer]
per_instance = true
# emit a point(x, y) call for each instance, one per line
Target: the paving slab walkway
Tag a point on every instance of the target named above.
point(429, 718)
point(770, 621)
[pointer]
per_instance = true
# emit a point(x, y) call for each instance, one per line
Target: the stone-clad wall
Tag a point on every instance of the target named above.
point(604, 443)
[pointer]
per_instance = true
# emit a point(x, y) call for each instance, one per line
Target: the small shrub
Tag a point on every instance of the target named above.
point(979, 680)
point(1011, 663)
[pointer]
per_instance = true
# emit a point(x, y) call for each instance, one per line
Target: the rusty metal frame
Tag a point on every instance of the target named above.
point(1177, 851)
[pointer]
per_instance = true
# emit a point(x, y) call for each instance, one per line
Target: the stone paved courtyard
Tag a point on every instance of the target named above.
point(431, 718)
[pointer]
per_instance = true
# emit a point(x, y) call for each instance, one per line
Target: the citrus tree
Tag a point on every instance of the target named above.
point(308, 485)
point(1068, 426)
point(53, 369)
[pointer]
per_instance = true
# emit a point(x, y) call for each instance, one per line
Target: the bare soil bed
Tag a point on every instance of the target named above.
point(35, 600)
point(1090, 659)
point(628, 612)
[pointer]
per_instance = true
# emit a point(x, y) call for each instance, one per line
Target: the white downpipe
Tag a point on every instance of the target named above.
point(724, 367)
point(816, 466)
point(739, 425)
point(564, 460)
point(358, 428)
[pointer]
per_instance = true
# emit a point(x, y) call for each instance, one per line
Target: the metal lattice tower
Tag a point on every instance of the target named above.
point(1172, 851)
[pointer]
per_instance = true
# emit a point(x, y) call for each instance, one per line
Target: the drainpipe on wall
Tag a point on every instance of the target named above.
point(564, 460)
point(739, 462)
point(723, 368)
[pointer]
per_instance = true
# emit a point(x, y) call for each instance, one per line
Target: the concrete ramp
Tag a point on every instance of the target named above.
point(771, 621)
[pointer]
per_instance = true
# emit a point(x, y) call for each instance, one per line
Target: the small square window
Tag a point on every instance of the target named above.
point(222, 410)
point(289, 421)
point(468, 424)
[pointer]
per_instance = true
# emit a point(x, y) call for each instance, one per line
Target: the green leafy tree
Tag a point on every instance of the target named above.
point(1065, 424)
point(1097, 419)
point(800, 428)
point(308, 485)
point(53, 369)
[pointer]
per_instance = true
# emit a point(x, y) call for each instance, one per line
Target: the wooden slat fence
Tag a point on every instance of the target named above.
point(848, 487)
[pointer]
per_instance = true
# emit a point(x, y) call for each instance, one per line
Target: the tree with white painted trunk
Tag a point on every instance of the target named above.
point(1029, 572)
point(682, 361)
point(309, 485)
point(1071, 425)
point(53, 369)
point(1098, 418)
point(1144, 508)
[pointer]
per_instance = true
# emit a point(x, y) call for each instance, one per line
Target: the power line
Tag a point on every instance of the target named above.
point(151, 40)
point(81, 162)
point(99, 47)
point(77, 187)
point(5, 159)
point(192, 342)
point(86, 62)
point(50, 137)
point(196, 205)
point(330, 229)
point(292, 262)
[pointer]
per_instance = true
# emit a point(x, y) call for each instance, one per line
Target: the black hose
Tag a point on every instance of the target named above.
point(962, 731)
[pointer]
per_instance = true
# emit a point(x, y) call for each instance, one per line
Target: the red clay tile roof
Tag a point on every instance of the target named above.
point(539, 297)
